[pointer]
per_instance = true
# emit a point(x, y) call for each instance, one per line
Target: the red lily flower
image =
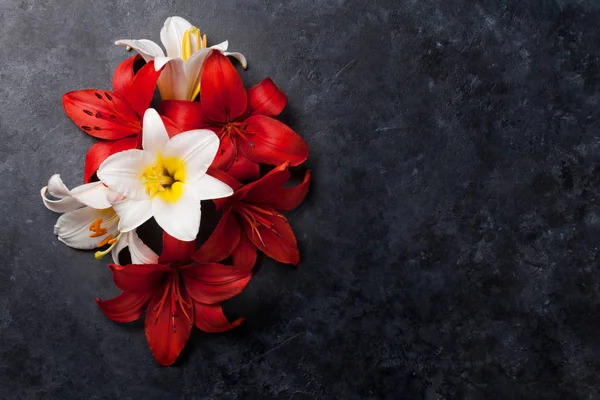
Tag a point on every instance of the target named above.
point(241, 119)
point(114, 116)
point(251, 220)
point(178, 295)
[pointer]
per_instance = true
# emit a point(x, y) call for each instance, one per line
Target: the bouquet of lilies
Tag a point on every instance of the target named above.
point(205, 141)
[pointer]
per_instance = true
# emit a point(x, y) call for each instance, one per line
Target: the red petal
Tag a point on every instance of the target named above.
point(272, 142)
point(280, 198)
point(94, 157)
point(140, 92)
point(101, 151)
point(225, 178)
point(221, 242)
point(243, 169)
point(170, 126)
point(139, 277)
point(265, 99)
point(244, 255)
point(168, 329)
point(123, 75)
point(187, 115)
point(176, 250)
point(213, 283)
point(223, 95)
point(274, 179)
point(101, 114)
point(126, 307)
point(279, 243)
point(225, 155)
point(210, 318)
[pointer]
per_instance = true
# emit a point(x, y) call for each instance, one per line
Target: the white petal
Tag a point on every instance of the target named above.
point(57, 188)
point(221, 46)
point(92, 195)
point(62, 205)
point(159, 62)
point(73, 228)
point(132, 213)
point(197, 148)
point(145, 48)
point(172, 83)
point(122, 172)
point(193, 66)
point(154, 133)
point(171, 35)
point(238, 56)
point(208, 188)
point(180, 219)
point(140, 253)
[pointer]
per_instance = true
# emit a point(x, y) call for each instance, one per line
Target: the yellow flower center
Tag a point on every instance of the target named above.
point(190, 44)
point(165, 178)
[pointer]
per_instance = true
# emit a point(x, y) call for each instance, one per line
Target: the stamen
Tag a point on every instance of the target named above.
point(112, 242)
point(97, 228)
point(186, 46)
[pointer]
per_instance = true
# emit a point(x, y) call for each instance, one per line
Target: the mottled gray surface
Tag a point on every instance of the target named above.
point(450, 244)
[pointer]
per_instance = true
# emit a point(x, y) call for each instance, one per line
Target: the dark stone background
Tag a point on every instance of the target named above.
point(450, 246)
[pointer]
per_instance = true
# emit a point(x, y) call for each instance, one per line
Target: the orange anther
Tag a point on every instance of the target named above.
point(97, 228)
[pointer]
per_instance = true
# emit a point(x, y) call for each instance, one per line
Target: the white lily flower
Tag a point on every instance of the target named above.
point(166, 180)
point(186, 52)
point(90, 222)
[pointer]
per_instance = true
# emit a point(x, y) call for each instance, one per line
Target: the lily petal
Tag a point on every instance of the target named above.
point(126, 307)
point(192, 67)
point(273, 142)
point(73, 227)
point(176, 250)
point(167, 329)
point(173, 83)
point(221, 242)
point(57, 188)
point(208, 188)
point(180, 219)
point(145, 48)
point(132, 213)
point(140, 253)
point(92, 195)
point(244, 255)
point(210, 318)
point(266, 99)
point(139, 277)
point(101, 114)
point(223, 95)
point(101, 151)
point(155, 134)
point(185, 114)
point(141, 90)
point(171, 35)
point(196, 148)
point(213, 283)
point(121, 172)
point(278, 243)
point(123, 75)
point(238, 56)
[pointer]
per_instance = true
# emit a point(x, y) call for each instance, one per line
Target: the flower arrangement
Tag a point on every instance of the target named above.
point(206, 141)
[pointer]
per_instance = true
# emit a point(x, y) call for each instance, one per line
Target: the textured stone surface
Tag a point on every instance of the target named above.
point(450, 242)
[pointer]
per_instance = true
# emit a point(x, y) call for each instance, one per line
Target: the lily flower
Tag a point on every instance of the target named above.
point(115, 117)
point(251, 220)
point(242, 120)
point(165, 180)
point(177, 295)
point(186, 52)
point(89, 222)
